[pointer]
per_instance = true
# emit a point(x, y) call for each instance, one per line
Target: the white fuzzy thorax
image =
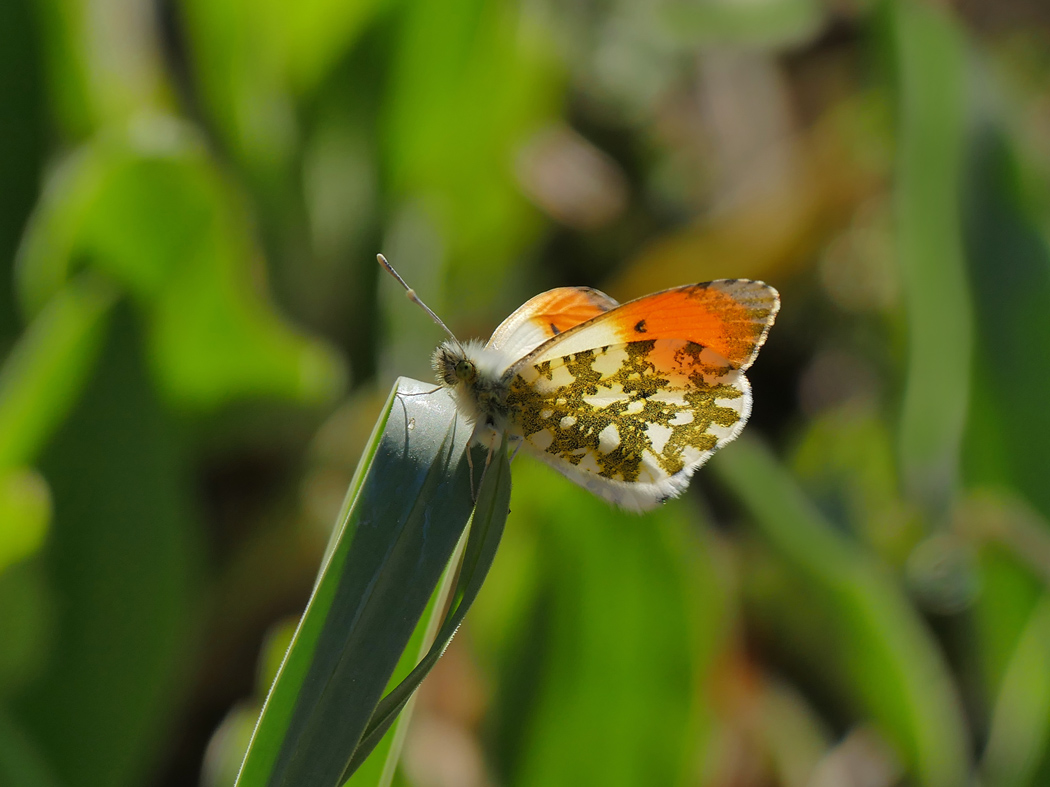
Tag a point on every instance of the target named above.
point(479, 400)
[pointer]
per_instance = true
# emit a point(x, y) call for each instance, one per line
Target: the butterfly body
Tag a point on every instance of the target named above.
point(626, 401)
point(475, 375)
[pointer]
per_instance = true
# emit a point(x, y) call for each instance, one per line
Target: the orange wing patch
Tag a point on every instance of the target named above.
point(547, 315)
point(730, 317)
point(566, 307)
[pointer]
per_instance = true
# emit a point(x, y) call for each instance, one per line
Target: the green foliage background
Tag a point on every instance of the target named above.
point(196, 344)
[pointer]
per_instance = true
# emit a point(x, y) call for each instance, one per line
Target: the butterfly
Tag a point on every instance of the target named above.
point(626, 400)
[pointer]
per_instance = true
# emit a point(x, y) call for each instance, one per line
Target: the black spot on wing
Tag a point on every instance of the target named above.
point(639, 327)
point(554, 329)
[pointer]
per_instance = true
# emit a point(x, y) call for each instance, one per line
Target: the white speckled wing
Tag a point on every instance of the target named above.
point(630, 422)
point(631, 402)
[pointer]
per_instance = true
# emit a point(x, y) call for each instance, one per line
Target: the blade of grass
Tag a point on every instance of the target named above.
point(930, 51)
point(49, 366)
point(1018, 737)
point(486, 530)
point(405, 515)
point(378, 768)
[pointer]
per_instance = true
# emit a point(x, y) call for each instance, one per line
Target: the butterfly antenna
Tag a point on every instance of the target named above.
point(415, 298)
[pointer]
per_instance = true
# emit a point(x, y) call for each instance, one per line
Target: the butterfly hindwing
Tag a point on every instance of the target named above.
point(630, 422)
point(629, 414)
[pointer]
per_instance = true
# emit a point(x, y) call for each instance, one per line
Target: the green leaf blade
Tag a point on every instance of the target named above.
point(486, 530)
point(391, 549)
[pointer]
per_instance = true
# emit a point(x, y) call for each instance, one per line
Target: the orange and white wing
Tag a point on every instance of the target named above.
point(631, 402)
point(545, 316)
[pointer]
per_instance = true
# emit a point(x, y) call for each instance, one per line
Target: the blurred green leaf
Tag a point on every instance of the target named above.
point(1014, 554)
point(931, 70)
point(890, 666)
point(1009, 595)
point(1010, 423)
point(69, 82)
point(98, 78)
point(123, 564)
point(25, 133)
point(44, 374)
point(25, 511)
point(1020, 725)
point(308, 37)
point(253, 61)
point(765, 22)
point(845, 461)
point(229, 742)
point(21, 763)
point(603, 685)
point(470, 80)
point(162, 224)
point(27, 618)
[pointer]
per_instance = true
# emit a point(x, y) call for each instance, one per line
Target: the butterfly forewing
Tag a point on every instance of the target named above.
point(731, 317)
point(547, 315)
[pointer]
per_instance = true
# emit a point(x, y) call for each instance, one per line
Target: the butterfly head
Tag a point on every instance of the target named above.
point(474, 374)
point(452, 366)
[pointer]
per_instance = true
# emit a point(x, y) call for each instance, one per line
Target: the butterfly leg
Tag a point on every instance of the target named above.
point(484, 470)
point(487, 436)
point(435, 389)
point(470, 464)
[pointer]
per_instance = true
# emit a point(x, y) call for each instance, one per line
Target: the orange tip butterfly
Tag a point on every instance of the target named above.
point(627, 400)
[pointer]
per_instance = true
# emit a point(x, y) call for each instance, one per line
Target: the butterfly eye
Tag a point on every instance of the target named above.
point(465, 371)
